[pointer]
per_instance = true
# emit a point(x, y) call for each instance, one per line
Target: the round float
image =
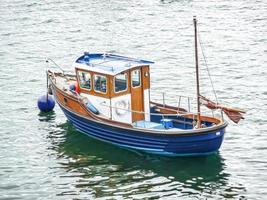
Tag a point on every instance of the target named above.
point(46, 103)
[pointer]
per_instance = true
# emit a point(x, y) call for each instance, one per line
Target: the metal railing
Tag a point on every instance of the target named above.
point(48, 60)
point(179, 113)
point(155, 114)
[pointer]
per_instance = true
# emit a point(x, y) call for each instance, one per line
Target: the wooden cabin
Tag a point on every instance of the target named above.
point(115, 85)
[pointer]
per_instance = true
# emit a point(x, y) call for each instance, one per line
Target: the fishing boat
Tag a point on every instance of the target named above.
point(108, 98)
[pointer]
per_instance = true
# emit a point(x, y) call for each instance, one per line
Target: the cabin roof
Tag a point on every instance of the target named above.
point(108, 63)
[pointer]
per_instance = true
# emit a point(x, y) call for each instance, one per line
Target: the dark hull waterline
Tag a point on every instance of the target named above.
point(161, 144)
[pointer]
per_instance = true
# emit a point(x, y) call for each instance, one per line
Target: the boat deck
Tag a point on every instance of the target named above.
point(64, 82)
point(152, 125)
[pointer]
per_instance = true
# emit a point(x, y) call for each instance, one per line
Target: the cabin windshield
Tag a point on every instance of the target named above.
point(120, 82)
point(100, 83)
point(136, 78)
point(84, 80)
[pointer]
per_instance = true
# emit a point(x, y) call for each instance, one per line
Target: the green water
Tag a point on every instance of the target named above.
point(43, 157)
point(97, 166)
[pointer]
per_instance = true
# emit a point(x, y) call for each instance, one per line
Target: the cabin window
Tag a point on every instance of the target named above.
point(120, 82)
point(84, 80)
point(136, 78)
point(100, 83)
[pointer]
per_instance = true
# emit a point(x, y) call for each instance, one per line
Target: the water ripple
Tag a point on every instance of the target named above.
point(43, 157)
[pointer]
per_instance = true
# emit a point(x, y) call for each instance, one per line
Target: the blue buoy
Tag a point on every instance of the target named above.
point(46, 103)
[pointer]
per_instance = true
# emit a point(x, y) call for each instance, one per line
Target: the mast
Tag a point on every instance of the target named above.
point(197, 75)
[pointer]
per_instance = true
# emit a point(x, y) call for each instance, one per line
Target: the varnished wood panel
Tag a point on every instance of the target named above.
point(112, 89)
point(76, 106)
point(92, 91)
point(70, 103)
point(183, 112)
point(146, 77)
point(137, 100)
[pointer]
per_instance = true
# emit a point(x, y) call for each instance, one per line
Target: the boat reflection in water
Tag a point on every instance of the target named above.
point(95, 169)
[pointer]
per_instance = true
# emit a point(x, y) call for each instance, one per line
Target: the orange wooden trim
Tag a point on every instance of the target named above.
point(141, 81)
point(168, 107)
point(75, 106)
point(190, 116)
point(112, 86)
point(146, 79)
point(100, 94)
point(70, 103)
point(92, 91)
point(137, 97)
point(174, 110)
point(78, 80)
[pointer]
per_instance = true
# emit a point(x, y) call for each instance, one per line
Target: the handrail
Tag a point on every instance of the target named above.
point(49, 59)
point(189, 103)
point(178, 113)
point(63, 71)
point(142, 112)
point(134, 111)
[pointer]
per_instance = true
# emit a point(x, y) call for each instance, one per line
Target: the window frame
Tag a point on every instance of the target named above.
point(114, 82)
point(98, 91)
point(83, 71)
point(140, 78)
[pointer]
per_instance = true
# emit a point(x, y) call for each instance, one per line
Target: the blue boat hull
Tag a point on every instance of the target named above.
point(191, 144)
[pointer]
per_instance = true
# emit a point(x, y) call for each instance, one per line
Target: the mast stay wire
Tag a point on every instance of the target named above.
point(205, 60)
point(160, 44)
point(207, 67)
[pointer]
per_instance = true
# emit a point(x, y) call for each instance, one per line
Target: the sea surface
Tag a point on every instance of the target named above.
point(42, 156)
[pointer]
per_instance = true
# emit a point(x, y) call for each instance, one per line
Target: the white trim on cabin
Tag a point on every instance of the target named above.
point(99, 91)
point(147, 104)
point(80, 81)
point(114, 82)
point(98, 103)
point(123, 114)
point(140, 78)
point(109, 71)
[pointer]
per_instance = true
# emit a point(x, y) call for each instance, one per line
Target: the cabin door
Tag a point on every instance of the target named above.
point(137, 96)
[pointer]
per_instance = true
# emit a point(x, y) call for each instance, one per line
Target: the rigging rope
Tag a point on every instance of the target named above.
point(205, 60)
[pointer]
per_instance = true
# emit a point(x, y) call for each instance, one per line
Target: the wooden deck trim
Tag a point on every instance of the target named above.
point(175, 110)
